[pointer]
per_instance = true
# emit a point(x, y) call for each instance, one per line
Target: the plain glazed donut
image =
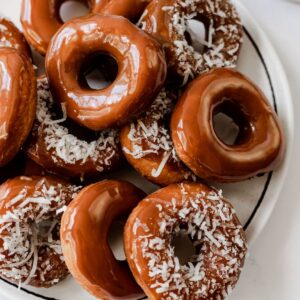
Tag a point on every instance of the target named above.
point(141, 70)
point(17, 102)
point(148, 146)
point(41, 18)
point(200, 212)
point(30, 213)
point(11, 37)
point(84, 236)
point(53, 147)
point(259, 146)
point(167, 20)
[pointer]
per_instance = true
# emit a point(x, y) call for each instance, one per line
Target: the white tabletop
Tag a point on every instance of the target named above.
point(273, 268)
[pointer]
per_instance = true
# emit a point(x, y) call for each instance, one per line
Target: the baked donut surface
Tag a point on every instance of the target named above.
point(200, 212)
point(141, 70)
point(30, 213)
point(11, 37)
point(84, 236)
point(259, 146)
point(148, 146)
point(168, 21)
point(52, 145)
point(17, 102)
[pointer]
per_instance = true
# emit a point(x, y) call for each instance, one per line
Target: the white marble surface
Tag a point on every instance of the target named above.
point(273, 268)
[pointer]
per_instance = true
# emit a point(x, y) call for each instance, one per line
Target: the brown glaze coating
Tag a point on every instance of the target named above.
point(141, 70)
point(17, 102)
point(148, 146)
point(168, 21)
point(84, 236)
point(259, 147)
point(130, 9)
point(53, 145)
point(41, 18)
point(11, 37)
point(30, 213)
point(186, 209)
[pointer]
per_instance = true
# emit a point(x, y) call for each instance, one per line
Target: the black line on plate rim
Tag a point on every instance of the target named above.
point(266, 184)
point(265, 66)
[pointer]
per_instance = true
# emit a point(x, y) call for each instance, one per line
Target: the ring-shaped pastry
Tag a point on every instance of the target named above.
point(141, 70)
point(30, 214)
point(259, 145)
point(85, 228)
point(201, 213)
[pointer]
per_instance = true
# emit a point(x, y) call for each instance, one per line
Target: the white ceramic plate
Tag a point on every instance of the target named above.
point(254, 199)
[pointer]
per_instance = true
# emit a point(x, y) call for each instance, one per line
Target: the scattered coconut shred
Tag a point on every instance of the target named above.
point(30, 248)
point(151, 136)
point(65, 147)
point(212, 225)
point(224, 38)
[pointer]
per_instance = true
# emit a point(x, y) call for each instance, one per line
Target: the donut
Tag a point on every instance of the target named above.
point(201, 213)
point(85, 226)
point(41, 18)
point(141, 70)
point(148, 146)
point(17, 102)
point(52, 145)
point(11, 37)
point(168, 21)
point(30, 213)
point(130, 9)
point(259, 146)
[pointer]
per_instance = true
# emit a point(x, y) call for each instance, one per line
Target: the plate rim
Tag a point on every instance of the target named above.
point(257, 221)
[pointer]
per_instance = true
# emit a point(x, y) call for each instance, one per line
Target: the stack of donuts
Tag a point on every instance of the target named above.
point(59, 136)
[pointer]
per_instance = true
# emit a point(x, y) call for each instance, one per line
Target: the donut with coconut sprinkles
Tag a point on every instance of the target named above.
point(11, 37)
point(201, 213)
point(168, 21)
point(53, 147)
point(30, 214)
point(148, 146)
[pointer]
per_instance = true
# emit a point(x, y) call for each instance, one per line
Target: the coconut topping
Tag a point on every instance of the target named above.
point(30, 249)
point(211, 224)
point(64, 147)
point(224, 34)
point(150, 135)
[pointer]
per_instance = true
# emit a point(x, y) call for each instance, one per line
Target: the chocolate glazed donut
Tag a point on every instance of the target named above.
point(41, 19)
point(17, 102)
point(259, 146)
point(141, 70)
point(84, 236)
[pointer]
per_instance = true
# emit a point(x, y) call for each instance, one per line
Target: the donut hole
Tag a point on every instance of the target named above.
point(73, 9)
point(183, 246)
point(116, 241)
point(231, 124)
point(46, 230)
point(197, 33)
point(98, 71)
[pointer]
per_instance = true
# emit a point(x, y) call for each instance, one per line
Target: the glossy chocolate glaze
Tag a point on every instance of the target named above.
point(147, 143)
point(130, 9)
point(10, 36)
point(84, 236)
point(54, 145)
point(167, 21)
point(17, 102)
point(198, 211)
point(31, 201)
point(260, 144)
point(41, 18)
point(141, 70)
